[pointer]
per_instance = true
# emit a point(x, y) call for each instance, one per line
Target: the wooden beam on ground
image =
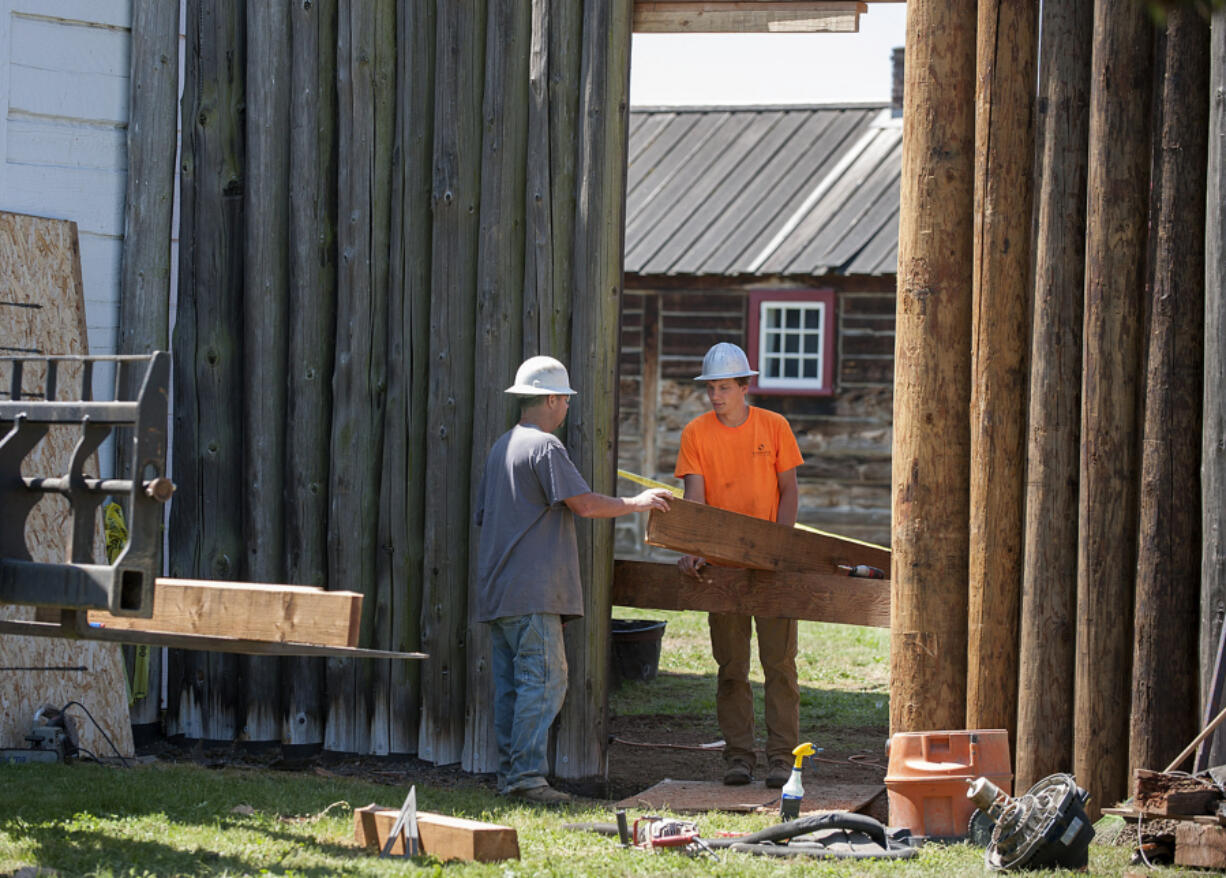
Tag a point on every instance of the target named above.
point(747, 16)
point(441, 836)
point(1200, 845)
point(732, 538)
point(1173, 795)
point(247, 611)
point(815, 597)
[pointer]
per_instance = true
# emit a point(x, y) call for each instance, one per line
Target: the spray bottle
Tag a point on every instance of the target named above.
point(793, 791)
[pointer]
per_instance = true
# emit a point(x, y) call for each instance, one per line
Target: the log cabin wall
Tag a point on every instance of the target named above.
point(845, 437)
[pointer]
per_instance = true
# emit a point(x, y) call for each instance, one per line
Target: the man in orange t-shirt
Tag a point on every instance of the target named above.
point(742, 458)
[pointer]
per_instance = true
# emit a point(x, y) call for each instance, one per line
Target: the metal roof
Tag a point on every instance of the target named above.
point(763, 191)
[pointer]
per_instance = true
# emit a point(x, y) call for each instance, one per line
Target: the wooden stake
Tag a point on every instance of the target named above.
point(932, 371)
point(1004, 164)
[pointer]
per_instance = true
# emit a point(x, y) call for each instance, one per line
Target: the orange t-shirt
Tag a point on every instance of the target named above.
point(740, 466)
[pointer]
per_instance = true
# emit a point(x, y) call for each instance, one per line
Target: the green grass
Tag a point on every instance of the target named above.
point(181, 819)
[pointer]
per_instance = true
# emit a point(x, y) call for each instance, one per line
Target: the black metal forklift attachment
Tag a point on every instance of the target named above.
point(42, 393)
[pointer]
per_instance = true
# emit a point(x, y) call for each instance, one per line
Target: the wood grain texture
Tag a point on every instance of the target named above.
point(441, 836)
point(1165, 680)
point(456, 204)
point(1213, 432)
point(817, 597)
point(744, 541)
point(1116, 215)
point(1049, 593)
point(1000, 328)
point(1200, 846)
point(499, 331)
point(932, 371)
point(42, 308)
point(250, 611)
point(739, 17)
point(206, 538)
point(591, 428)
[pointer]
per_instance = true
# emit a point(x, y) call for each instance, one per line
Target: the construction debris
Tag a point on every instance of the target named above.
point(439, 836)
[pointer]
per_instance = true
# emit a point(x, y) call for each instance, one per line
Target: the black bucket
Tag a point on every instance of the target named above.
point(636, 648)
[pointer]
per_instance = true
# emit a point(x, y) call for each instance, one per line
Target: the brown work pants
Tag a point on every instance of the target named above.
point(730, 636)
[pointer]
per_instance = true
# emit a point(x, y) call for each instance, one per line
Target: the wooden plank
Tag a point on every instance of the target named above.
point(1200, 846)
point(1116, 225)
point(745, 541)
point(932, 372)
point(1156, 792)
point(816, 597)
point(252, 611)
point(1049, 595)
point(1213, 450)
point(1000, 330)
point(441, 836)
point(1165, 681)
point(752, 17)
point(1133, 814)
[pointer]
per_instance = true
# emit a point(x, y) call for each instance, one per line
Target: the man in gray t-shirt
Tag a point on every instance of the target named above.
point(528, 571)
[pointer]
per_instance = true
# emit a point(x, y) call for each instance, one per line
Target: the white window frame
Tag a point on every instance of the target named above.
point(820, 382)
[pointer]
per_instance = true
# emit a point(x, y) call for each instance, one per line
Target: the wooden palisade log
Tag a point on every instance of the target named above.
point(1118, 184)
point(265, 338)
point(1049, 590)
point(205, 524)
point(144, 303)
point(365, 112)
point(312, 340)
point(456, 202)
point(1004, 170)
point(1165, 682)
point(592, 425)
point(500, 322)
point(402, 499)
point(1213, 441)
point(932, 372)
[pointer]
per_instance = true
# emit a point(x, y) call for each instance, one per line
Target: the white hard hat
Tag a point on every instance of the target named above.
point(725, 360)
point(541, 376)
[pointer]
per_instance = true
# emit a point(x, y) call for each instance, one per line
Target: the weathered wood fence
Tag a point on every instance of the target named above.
point(385, 207)
point(1073, 631)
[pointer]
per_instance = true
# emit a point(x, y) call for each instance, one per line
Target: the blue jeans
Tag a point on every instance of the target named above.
point(529, 664)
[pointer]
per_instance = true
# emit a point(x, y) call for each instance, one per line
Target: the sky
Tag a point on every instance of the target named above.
point(672, 69)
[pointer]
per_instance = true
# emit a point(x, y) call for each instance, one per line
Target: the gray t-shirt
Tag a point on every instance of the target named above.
point(528, 561)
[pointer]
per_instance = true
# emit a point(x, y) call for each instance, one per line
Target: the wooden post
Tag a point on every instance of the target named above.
point(649, 387)
point(932, 371)
point(500, 319)
point(144, 302)
point(265, 338)
point(365, 79)
point(456, 203)
point(1118, 187)
point(1004, 167)
point(403, 499)
point(205, 533)
point(1213, 436)
point(1044, 743)
point(312, 341)
point(600, 207)
point(1165, 682)
point(553, 93)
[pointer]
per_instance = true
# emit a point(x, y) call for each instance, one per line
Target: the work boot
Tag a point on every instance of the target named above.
point(779, 773)
point(542, 795)
point(737, 774)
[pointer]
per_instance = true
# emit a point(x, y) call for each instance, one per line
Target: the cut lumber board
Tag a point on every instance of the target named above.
point(745, 541)
point(247, 611)
point(816, 597)
point(1200, 845)
point(753, 17)
point(1134, 814)
point(441, 836)
point(1172, 795)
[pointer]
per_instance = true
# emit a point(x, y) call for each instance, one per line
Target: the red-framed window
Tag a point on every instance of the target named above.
point(791, 341)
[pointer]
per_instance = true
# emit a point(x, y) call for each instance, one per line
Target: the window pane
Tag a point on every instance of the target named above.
point(790, 368)
point(772, 367)
point(811, 342)
point(772, 318)
point(793, 318)
point(791, 344)
point(772, 343)
point(811, 368)
point(812, 318)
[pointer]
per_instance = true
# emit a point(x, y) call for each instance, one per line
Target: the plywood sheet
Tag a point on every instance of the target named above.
point(684, 796)
point(42, 310)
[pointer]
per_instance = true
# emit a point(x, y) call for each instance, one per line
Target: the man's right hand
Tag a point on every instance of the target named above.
point(691, 564)
point(652, 498)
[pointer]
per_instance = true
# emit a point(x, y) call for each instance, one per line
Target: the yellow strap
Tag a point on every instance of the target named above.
point(677, 492)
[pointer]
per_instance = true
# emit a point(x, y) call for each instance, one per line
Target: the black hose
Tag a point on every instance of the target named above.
point(806, 849)
point(781, 831)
